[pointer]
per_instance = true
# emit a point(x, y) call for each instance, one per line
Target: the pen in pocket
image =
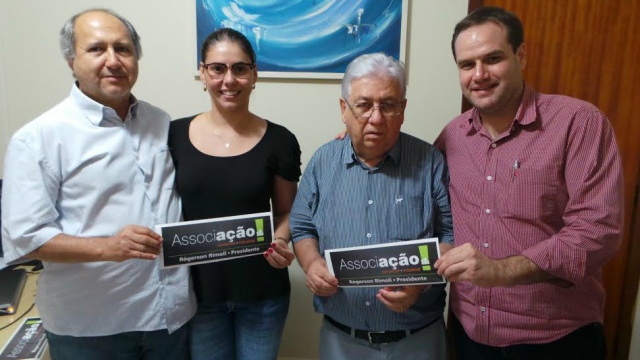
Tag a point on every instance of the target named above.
point(514, 170)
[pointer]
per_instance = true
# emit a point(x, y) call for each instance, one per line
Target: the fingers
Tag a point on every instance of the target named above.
point(392, 304)
point(399, 298)
point(454, 256)
point(133, 242)
point(279, 255)
point(320, 286)
point(341, 135)
point(319, 280)
point(143, 235)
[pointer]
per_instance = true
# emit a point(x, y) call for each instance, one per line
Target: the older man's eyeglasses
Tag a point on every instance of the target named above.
point(239, 70)
point(363, 110)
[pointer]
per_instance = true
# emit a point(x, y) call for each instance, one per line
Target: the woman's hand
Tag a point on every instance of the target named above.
point(279, 255)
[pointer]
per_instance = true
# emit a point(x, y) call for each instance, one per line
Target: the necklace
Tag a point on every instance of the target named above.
point(226, 142)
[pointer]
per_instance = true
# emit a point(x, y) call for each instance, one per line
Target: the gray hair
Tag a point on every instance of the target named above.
point(377, 64)
point(68, 37)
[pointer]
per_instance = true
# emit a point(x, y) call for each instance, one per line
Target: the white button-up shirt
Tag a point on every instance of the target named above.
point(78, 169)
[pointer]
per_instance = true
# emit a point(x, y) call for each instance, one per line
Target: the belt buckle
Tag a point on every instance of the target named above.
point(373, 332)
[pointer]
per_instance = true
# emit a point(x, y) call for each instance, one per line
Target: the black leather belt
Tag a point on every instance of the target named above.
point(377, 337)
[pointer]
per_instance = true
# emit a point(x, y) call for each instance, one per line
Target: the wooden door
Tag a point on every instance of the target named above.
point(589, 49)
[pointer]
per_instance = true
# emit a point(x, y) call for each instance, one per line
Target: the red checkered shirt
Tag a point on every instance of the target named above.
point(550, 188)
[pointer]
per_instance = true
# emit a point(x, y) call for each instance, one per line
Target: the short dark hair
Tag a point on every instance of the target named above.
point(228, 34)
point(500, 16)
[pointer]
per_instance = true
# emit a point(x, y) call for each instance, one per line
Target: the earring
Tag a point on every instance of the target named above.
point(204, 88)
point(253, 86)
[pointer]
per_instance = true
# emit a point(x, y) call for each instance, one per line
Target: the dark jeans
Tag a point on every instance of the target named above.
point(249, 330)
point(135, 345)
point(585, 343)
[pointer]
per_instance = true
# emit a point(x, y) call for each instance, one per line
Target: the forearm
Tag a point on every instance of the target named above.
point(63, 248)
point(520, 270)
point(307, 252)
point(281, 224)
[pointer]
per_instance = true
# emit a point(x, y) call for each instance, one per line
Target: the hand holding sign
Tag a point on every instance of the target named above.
point(133, 241)
point(319, 280)
point(465, 262)
point(399, 298)
point(279, 255)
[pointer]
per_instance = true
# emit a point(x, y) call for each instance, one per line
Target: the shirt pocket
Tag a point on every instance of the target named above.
point(156, 164)
point(531, 194)
point(407, 217)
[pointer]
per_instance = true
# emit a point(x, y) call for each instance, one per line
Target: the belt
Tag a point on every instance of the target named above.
point(377, 337)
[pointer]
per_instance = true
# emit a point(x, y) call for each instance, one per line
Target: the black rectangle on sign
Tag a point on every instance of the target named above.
point(196, 242)
point(393, 264)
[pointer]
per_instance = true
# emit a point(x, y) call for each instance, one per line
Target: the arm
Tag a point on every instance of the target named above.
point(466, 263)
point(280, 256)
point(592, 220)
point(132, 242)
point(401, 298)
point(593, 215)
point(30, 216)
point(305, 235)
point(319, 280)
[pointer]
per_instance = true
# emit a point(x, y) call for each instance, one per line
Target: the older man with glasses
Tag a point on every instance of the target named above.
point(375, 186)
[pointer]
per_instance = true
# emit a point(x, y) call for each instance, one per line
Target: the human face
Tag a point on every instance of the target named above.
point(490, 72)
point(228, 94)
point(372, 138)
point(105, 63)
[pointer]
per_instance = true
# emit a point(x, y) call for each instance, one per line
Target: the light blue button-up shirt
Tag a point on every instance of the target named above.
point(342, 203)
point(78, 169)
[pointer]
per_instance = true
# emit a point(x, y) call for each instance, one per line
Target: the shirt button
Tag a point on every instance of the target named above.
point(486, 245)
point(489, 178)
point(494, 145)
point(483, 309)
point(370, 202)
point(369, 235)
point(367, 303)
point(488, 211)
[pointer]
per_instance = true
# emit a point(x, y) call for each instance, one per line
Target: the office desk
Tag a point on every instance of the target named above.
point(26, 300)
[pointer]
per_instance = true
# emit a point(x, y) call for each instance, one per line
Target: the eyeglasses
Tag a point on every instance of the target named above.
point(364, 110)
point(239, 70)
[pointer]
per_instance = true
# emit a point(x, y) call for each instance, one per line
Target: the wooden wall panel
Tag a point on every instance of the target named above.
point(589, 49)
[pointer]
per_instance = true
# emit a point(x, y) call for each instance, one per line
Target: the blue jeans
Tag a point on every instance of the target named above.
point(135, 345)
point(238, 330)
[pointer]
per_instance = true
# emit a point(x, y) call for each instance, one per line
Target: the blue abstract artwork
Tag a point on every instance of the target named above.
point(308, 38)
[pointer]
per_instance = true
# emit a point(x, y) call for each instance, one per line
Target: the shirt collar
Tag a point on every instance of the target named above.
point(527, 113)
point(349, 155)
point(95, 111)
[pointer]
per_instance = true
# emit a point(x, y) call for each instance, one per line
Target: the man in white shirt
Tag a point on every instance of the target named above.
point(84, 184)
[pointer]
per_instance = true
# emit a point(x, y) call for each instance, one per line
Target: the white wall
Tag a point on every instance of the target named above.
point(34, 77)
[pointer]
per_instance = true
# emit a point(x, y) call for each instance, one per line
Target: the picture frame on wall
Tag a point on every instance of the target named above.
point(312, 39)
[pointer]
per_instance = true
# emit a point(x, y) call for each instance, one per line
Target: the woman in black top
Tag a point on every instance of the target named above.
point(231, 162)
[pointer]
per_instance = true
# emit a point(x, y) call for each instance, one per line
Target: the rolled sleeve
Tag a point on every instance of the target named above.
point(593, 216)
point(30, 190)
point(443, 219)
point(304, 207)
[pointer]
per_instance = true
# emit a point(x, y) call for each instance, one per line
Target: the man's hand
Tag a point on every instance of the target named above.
point(319, 280)
point(399, 298)
point(465, 262)
point(279, 255)
point(341, 135)
point(132, 242)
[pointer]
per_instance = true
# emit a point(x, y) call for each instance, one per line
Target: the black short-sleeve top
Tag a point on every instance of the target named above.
point(213, 186)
